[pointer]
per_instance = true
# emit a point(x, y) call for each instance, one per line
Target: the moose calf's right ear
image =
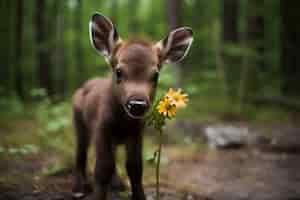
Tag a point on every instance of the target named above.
point(176, 45)
point(103, 35)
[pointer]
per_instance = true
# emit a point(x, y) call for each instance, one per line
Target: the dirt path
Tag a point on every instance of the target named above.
point(239, 175)
point(242, 174)
point(227, 175)
point(20, 179)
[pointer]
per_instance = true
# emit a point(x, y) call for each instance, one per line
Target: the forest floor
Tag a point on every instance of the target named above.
point(248, 173)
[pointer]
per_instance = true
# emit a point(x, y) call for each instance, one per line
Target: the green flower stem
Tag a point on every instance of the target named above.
point(158, 163)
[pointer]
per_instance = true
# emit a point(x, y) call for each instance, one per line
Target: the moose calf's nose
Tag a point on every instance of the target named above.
point(137, 107)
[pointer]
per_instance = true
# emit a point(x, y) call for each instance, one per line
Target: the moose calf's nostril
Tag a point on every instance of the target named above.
point(137, 107)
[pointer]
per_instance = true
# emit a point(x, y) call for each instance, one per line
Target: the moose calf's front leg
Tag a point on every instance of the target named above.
point(81, 186)
point(134, 166)
point(104, 169)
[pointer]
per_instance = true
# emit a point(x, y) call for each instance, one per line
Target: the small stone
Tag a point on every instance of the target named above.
point(190, 197)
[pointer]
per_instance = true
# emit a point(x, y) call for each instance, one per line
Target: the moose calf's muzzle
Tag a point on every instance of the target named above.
point(137, 108)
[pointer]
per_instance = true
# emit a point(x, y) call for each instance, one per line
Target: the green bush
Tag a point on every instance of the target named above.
point(20, 150)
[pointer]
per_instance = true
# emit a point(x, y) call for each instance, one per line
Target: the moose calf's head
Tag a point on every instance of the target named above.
point(136, 63)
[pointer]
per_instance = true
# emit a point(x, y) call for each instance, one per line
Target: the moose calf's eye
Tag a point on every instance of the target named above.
point(118, 75)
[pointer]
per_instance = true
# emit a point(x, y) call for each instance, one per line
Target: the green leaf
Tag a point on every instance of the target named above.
point(151, 158)
point(2, 150)
point(55, 169)
point(31, 148)
point(13, 151)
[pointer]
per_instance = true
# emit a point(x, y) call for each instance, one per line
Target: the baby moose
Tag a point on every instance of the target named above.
point(112, 109)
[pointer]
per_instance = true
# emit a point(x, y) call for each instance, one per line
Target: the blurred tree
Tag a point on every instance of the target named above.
point(18, 49)
point(230, 21)
point(154, 26)
point(6, 47)
point(114, 11)
point(45, 44)
point(43, 60)
point(80, 68)
point(58, 51)
point(254, 58)
point(271, 70)
point(133, 6)
point(230, 39)
point(290, 47)
point(174, 8)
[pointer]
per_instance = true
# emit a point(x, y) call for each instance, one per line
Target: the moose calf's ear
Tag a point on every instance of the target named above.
point(103, 35)
point(176, 45)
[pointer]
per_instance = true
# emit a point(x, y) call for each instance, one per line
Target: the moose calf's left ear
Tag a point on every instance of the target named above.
point(103, 35)
point(176, 45)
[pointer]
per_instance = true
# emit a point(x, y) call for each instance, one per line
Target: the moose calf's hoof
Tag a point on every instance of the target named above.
point(81, 190)
point(117, 184)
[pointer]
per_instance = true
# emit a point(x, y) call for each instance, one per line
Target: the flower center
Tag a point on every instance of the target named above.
point(169, 106)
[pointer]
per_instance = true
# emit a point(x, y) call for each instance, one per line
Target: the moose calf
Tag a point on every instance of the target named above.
point(112, 109)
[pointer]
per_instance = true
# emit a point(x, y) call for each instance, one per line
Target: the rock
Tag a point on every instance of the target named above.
point(225, 136)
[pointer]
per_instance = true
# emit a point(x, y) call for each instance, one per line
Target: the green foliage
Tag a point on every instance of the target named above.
point(166, 80)
point(11, 107)
point(151, 158)
point(67, 34)
point(21, 150)
point(235, 50)
point(52, 118)
point(55, 169)
point(38, 93)
point(2, 150)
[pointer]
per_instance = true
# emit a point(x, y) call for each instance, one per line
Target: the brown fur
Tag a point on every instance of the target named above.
point(98, 108)
point(111, 109)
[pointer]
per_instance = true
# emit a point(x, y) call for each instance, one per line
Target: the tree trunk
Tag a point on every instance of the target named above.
point(230, 22)
point(18, 49)
point(230, 39)
point(59, 47)
point(43, 60)
point(6, 47)
point(290, 47)
point(174, 8)
point(174, 13)
point(114, 12)
point(254, 42)
point(133, 18)
point(78, 44)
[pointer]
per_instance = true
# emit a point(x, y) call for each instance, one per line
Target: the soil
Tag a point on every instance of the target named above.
point(249, 173)
point(241, 174)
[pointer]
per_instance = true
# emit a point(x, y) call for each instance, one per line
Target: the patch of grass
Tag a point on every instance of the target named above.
point(56, 169)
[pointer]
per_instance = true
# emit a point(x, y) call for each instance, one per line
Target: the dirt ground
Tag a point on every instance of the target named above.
point(241, 174)
point(249, 173)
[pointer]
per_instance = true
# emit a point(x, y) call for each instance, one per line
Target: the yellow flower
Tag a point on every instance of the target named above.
point(178, 98)
point(167, 108)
